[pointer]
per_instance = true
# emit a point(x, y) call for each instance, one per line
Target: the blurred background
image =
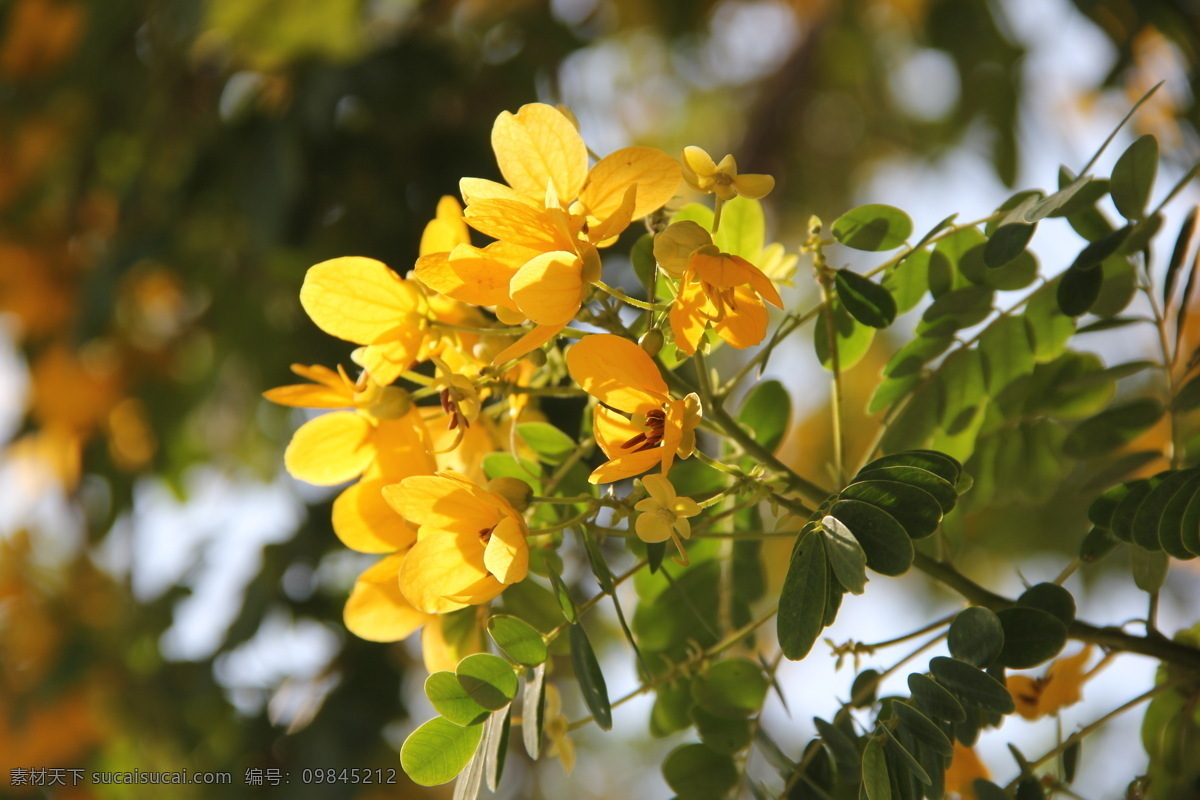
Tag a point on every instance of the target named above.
point(169, 598)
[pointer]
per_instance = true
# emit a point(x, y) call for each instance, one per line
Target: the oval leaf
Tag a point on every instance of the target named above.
point(873, 227)
point(934, 699)
point(1031, 636)
point(802, 599)
point(1051, 598)
point(914, 508)
point(489, 680)
point(1133, 177)
point(733, 689)
point(889, 549)
point(876, 783)
point(973, 687)
point(438, 750)
point(591, 679)
point(519, 640)
point(696, 772)
point(976, 636)
point(451, 700)
point(867, 301)
point(1078, 290)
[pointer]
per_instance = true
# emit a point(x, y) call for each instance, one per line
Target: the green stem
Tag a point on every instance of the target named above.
point(624, 298)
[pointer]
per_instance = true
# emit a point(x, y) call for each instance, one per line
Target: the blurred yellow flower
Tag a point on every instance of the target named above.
point(1061, 686)
point(965, 768)
point(664, 515)
point(555, 725)
point(722, 179)
point(470, 542)
point(726, 292)
point(624, 378)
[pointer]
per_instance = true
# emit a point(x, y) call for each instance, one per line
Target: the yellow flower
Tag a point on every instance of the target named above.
point(555, 725)
point(726, 292)
point(623, 378)
point(964, 769)
point(470, 542)
point(1061, 686)
point(664, 515)
point(722, 179)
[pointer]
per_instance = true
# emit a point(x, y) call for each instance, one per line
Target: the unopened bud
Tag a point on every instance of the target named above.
point(651, 341)
point(537, 357)
point(516, 491)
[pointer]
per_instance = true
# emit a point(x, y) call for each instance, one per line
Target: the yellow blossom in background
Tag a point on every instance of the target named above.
point(965, 768)
point(1061, 686)
point(624, 378)
point(722, 179)
point(664, 515)
point(471, 543)
point(725, 292)
point(556, 727)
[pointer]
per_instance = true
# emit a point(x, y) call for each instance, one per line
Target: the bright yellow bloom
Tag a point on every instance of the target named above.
point(1061, 686)
point(623, 378)
point(674, 246)
point(470, 542)
point(964, 769)
point(664, 515)
point(722, 179)
point(726, 292)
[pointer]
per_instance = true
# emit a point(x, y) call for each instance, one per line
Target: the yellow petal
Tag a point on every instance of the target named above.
point(700, 164)
point(617, 372)
point(446, 230)
point(687, 321)
point(656, 175)
point(507, 553)
point(442, 503)
point(475, 189)
point(606, 232)
point(626, 466)
point(377, 610)
point(612, 430)
point(753, 186)
point(528, 343)
point(1025, 693)
point(674, 246)
point(485, 279)
point(964, 769)
point(549, 288)
point(394, 351)
point(538, 146)
point(1064, 682)
point(403, 447)
point(308, 395)
point(334, 379)
point(441, 652)
point(684, 506)
point(330, 449)
point(682, 527)
point(747, 325)
point(363, 521)
point(660, 489)
point(356, 298)
point(652, 527)
point(517, 223)
point(434, 270)
point(442, 566)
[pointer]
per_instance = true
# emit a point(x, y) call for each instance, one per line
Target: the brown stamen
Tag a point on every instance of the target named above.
point(485, 534)
point(656, 420)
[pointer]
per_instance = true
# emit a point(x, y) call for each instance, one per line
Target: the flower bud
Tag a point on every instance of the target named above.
point(651, 341)
point(516, 491)
point(537, 357)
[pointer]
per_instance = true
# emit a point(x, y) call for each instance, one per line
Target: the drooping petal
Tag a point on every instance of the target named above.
point(377, 610)
point(442, 503)
point(441, 566)
point(763, 285)
point(355, 298)
point(330, 449)
point(656, 175)
point(446, 230)
point(660, 489)
point(753, 186)
point(308, 395)
point(652, 527)
point(475, 189)
point(481, 591)
point(746, 325)
point(507, 553)
point(538, 146)
point(549, 288)
point(687, 319)
point(363, 520)
point(617, 372)
point(626, 466)
point(609, 228)
point(528, 343)
point(434, 270)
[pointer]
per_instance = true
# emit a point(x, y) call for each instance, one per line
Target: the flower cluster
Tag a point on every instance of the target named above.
point(452, 356)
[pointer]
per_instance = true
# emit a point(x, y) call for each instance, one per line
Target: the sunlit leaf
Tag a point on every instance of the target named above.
point(438, 750)
point(489, 680)
point(865, 300)
point(873, 227)
point(552, 445)
point(519, 640)
point(452, 701)
point(853, 338)
point(766, 411)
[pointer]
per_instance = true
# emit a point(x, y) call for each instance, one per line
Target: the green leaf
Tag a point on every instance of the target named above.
point(1126, 510)
point(551, 444)
point(899, 752)
point(1147, 530)
point(1055, 202)
point(1133, 177)
point(743, 229)
point(734, 688)
point(853, 338)
point(909, 280)
point(864, 688)
point(1078, 290)
point(1095, 253)
point(696, 772)
point(489, 680)
point(917, 511)
point(938, 487)
point(888, 548)
point(1008, 242)
point(1179, 524)
point(504, 465)
point(1007, 353)
point(1050, 329)
point(1183, 243)
point(845, 752)
point(961, 307)
point(766, 411)
point(1098, 543)
point(935, 700)
point(973, 687)
point(986, 790)
point(923, 729)
point(912, 357)
point(976, 636)
point(876, 783)
point(533, 706)
point(846, 556)
point(519, 640)
point(867, 301)
point(1188, 396)
point(591, 679)
point(940, 464)
point(1113, 428)
point(698, 213)
point(1070, 760)
point(802, 599)
point(1149, 569)
point(1051, 598)
point(721, 734)
point(563, 594)
point(641, 255)
point(452, 701)
point(438, 750)
point(672, 710)
point(495, 746)
point(1031, 636)
point(873, 227)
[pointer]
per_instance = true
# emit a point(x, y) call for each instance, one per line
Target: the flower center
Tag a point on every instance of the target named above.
point(656, 420)
point(485, 534)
